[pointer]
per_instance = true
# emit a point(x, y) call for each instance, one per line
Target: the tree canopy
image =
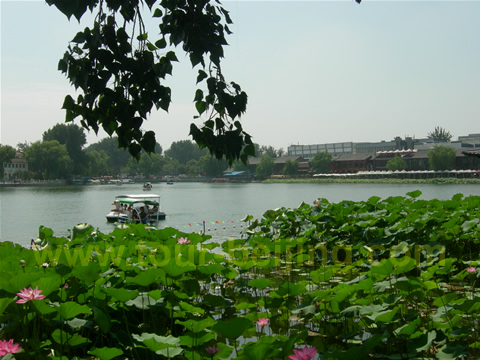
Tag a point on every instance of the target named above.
point(74, 138)
point(290, 168)
point(184, 151)
point(440, 134)
point(441, 158)
point(320, 163)
point(265, 167)
point(120, 71)
point(7, 153)
point(49, 160)
point(397, 163)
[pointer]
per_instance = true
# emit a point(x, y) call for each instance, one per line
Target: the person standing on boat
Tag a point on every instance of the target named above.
point(143, 215)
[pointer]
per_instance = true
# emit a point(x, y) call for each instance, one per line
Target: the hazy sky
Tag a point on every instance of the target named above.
point(315, 71)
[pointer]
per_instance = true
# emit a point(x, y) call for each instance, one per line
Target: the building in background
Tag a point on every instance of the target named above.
point(17, 164)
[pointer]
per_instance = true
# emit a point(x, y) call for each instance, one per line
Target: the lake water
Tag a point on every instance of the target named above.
point(187, 205)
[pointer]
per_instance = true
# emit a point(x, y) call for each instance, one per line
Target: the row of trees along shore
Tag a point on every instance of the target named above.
point(62, 154)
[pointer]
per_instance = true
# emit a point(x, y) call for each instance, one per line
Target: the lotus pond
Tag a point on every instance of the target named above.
point(390, 278)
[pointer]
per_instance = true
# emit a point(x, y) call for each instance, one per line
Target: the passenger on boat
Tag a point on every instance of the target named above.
point(143, 215)
point(118, 207)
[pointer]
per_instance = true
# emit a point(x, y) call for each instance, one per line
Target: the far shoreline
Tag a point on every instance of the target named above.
point(326, 180)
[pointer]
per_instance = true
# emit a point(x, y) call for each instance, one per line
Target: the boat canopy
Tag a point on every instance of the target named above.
point(150, 199)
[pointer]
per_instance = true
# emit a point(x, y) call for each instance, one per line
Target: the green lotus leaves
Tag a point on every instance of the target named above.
point(390, 279)
point(106, 353)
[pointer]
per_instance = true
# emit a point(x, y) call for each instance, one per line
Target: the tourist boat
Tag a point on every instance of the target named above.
point(128, 208)
point(147, 186)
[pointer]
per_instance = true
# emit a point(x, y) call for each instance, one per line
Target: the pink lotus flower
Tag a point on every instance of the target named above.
point(471, 270)
point(262, 322)
point(183, 241)
point(304, 354)
point(29, 294)
point(8, 347)
point(212, 350)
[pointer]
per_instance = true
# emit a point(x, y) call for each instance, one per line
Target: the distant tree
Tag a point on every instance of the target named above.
point(184, 151)
point(397, 163)
point(170, 167)
point(117, 158)
point(22, 174)
point(265, 167)
point(290, 168)
point(240, 166)
point(193, 167)
point(7, 153)
point(320, 163)
point(98, 163)
point(74, 138)
point(149, 164)
point(440, 134)
point(49, 160)
point(268, 151)
point(22, 146)
point(442, 158)
point(212, 166)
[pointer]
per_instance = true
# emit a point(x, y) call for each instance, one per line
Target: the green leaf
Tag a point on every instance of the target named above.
point(148, 141)
point(232, 328)
point(201, 106)
point(414, 194)
point(407, 329)
point(170, 352)
point(102, 319)
point(122, 294)
point(161, 43)
point(62, 337)
point(261, 283)
point(68, 103)
point(445, 299)
point(422, 343)
point(71, 309)
point(196, 326)
point(142, 302)
point(157, 13)
point(452, 351)
point(171, 56)
point(189, 308)
point(43, 308)
point(89, 273)
point(196, 339)
point(198, 95)
point(384, 269)
point(105, 353)
point(48, 284)
point(383, 316)
point(79, 38)
point(260, 351)
point(174, 270)
point(4, 302)
point(201, 76)
point(155, 342)
point(147, 277)
point(151, 47)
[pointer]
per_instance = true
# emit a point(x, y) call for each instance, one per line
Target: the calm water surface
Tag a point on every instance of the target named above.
point(188, 205)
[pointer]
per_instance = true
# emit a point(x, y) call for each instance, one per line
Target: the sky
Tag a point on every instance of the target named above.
point(315, 71)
